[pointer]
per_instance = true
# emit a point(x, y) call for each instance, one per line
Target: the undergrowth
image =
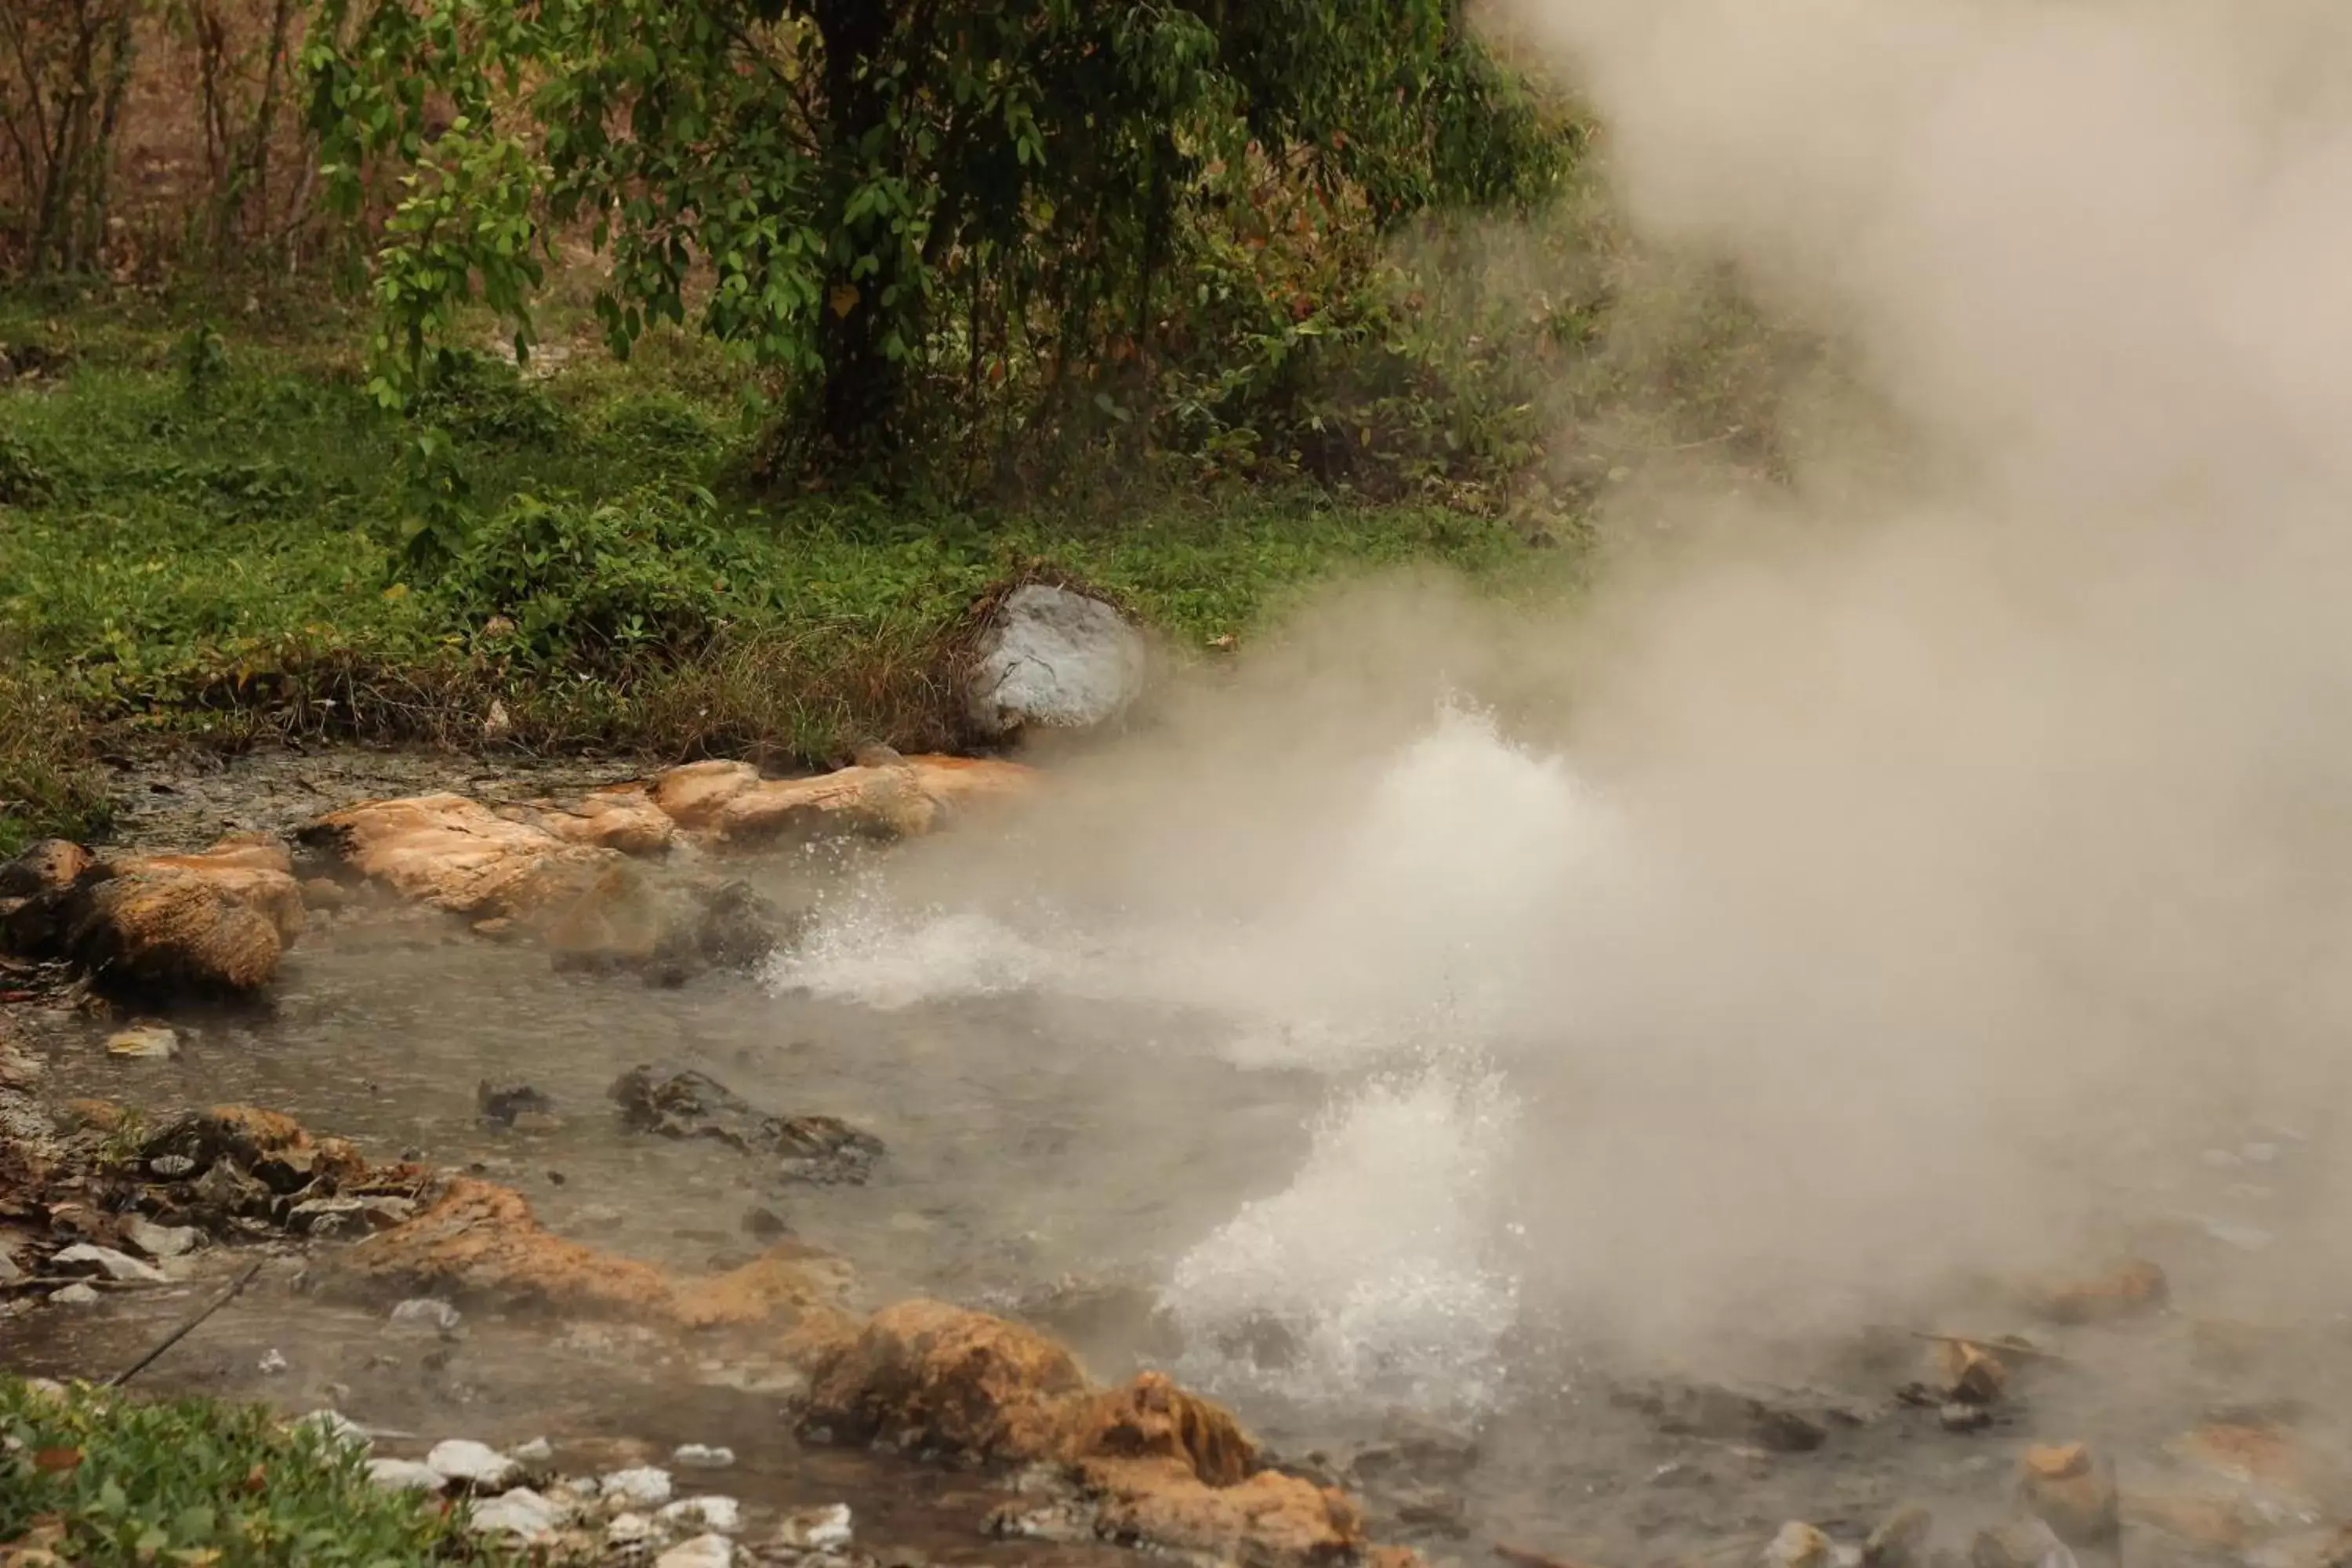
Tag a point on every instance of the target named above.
point(212, 532)
point(98, 1479)
point(48, 782)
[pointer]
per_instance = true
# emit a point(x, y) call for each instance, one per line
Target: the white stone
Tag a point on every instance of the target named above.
point(628, 1528)
point(824, 1529)
point(521, 1512)
point(404, 1476)
point(335, 1429)
point(721, 1514)
point(642, 1487)
point(106, 1260)
point(273, 1362)
point(703, 1551)
point(696, 1456)
point(1797, 1545)
point(538, 1451)
point(161, 1240)
point(476, 1464)
point(74, 1296)
point(1054, 658)
point(426, 1314)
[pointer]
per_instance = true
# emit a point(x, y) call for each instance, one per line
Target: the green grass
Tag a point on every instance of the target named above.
point(98, 1478)
point(199, 534)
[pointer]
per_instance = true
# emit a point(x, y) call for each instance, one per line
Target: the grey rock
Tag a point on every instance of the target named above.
point(523, 1513)
point(703, 1551)
point(641, 1486)
point(478, 1465)
point(820, 1148)
point(1900, 1541)
point(329, 1217)
point(334, 1428)
point(2027, 1543)
point(406, 1476)
point(501, 1103)
point(826, 1529)
point(426, 1315)
point(74, 1296)
point(1054, 659)
point(723, 1515)
point(162, 1240)
point(538, 1451)
point(84, 1259)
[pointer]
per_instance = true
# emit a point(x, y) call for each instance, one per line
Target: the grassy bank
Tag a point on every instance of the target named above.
point(88, 1477)
point(224, 534)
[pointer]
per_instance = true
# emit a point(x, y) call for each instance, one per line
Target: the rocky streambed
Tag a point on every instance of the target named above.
point(531, 1153)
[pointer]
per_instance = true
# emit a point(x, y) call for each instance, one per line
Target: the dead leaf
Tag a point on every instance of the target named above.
point(844, 298)
point(56, 1460)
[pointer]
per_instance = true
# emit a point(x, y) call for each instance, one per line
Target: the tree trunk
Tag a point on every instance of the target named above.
point(864, 389)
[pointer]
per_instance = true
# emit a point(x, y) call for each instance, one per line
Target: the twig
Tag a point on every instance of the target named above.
point(176, 1335)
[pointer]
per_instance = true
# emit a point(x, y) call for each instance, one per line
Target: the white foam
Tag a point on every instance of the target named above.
point(862, 951)
point(1441, 891)
point(1380, 1262)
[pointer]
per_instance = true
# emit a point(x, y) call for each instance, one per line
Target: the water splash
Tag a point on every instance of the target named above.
point(1441, 888)
point(1432, 909)
point(1376, 1275)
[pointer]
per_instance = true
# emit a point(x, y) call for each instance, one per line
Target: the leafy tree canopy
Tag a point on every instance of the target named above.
point(872, 193)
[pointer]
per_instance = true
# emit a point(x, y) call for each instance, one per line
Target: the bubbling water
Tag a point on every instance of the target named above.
point(1402, 958)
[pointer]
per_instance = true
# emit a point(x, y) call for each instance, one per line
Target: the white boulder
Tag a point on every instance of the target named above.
point(1054, 659)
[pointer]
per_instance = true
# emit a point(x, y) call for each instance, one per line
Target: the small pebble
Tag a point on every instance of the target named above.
point(404, 1476)
point(628, 1529)
point(476, 1464)
point(703, 1551)
point(106, 1261)
point(815, 1529)
point(723, 1515)
point(148, 1042)
point(427, 1315)
point(273, 1362)
point(74, 1296)
point(538, 1451)
point(522, 1512)
point(161, 1240)
point(334, 1428)
point(640, 1487)
point(697, 1456)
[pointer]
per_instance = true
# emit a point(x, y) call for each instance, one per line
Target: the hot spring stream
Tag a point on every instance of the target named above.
point(1297, 1156)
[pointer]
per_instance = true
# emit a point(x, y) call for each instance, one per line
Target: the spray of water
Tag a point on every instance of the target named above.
point(1944, 845)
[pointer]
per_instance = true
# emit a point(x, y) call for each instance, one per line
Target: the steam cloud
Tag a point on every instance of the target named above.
point(1901, 879)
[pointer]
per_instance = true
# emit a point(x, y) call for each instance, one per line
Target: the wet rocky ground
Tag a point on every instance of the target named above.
point(1048, 1158)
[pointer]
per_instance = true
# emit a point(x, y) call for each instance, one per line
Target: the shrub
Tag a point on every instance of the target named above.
point(562, 582)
